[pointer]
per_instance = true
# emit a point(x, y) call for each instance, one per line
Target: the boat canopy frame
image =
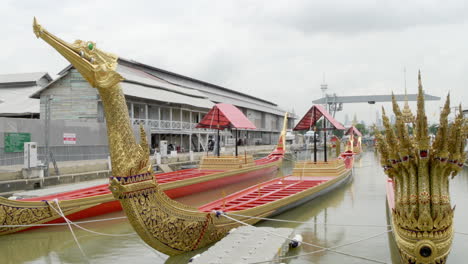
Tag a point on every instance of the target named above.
point(223, 116)
point(353, 130)
point(309, 121)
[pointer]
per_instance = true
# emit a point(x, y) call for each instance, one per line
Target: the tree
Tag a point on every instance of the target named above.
point(338, 133)
point(433, 129)
point(361, 127)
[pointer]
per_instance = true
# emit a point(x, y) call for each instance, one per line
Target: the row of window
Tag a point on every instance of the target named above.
point(177, 114)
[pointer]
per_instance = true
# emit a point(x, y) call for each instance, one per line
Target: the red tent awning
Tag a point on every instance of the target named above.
point(353, 130)
point(223, 116)
point(313, 115)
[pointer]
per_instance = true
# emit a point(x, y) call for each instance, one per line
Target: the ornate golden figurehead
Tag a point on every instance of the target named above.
point(164, 224)
point(99, 69)
point(422, 217)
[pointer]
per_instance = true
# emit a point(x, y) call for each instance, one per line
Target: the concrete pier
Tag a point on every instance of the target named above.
point(248, 244)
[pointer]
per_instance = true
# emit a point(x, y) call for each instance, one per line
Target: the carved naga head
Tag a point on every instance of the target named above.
point(96, 66)
point(422, 216)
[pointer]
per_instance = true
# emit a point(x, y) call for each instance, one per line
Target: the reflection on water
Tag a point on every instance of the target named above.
point(360, 202)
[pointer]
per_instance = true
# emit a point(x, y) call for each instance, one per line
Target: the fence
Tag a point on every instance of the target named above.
point(60, 153)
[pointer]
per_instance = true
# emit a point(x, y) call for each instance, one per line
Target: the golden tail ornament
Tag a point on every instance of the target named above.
point(164, 224)
point(423, 216)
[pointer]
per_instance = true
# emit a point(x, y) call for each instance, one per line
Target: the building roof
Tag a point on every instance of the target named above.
point(215, 93)
point(15, 91)
point(223, 116)
point(313, 115)
point(193, 80)
point(143, 81)
point(140, 84)
point(18, 79)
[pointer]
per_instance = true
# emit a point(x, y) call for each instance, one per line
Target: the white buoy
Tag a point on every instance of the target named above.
point(194, 257)
point(296, 241)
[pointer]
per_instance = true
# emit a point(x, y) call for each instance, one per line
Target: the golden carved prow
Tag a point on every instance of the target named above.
point(423, 216)
point(99, 69)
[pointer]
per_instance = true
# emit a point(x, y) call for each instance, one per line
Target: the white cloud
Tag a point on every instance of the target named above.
point(277, 50)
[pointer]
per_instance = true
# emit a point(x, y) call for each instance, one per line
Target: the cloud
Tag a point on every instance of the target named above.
point(276, 50)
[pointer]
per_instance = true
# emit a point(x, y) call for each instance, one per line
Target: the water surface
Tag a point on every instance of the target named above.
point(329, 221)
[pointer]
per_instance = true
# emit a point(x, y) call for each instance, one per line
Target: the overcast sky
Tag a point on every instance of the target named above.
point(276, 50)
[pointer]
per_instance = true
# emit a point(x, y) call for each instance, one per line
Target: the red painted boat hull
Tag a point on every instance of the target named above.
point(114, 205)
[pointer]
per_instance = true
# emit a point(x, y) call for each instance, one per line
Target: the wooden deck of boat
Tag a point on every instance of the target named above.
point(264, 193)
point(104, 188)
point(162, 178)
point(183, 175)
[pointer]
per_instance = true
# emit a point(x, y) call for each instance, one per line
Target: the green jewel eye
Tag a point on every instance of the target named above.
point(90, 46)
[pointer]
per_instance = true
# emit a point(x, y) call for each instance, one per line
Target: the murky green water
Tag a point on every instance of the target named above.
point(360, 202)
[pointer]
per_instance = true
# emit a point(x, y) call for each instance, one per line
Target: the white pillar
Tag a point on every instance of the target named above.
point(190, 142)
point(159, 117)
point(170, 119)
point(146, 113)
point(199, 141)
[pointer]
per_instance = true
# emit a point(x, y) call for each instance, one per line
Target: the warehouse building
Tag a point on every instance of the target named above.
point(169, 105)
point(15, 90)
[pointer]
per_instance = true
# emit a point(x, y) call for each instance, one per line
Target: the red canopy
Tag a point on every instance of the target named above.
point(313, 115)
point(223, 116)
point(353, 130)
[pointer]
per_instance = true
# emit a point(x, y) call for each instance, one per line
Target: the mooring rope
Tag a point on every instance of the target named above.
point(299, 222)
point(60, 212)
point(462, 233)
point(70, 227)
point(313, 245)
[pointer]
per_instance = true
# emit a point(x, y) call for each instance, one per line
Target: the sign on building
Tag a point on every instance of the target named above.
point(14, 142)
point(69, 138)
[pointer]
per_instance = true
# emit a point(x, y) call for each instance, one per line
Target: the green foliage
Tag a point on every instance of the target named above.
point(362, 128)
point(433, 129)
point(338, 133)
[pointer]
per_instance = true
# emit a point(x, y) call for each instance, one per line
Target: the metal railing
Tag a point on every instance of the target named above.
point(60, 153)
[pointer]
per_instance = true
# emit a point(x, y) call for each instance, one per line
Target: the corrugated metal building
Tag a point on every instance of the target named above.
point(168, 104)
point(15, 91)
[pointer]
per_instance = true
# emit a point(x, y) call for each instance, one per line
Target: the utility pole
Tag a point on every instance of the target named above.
point(48, 99)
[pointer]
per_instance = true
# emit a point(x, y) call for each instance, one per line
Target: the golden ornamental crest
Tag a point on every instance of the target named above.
point(420, 169)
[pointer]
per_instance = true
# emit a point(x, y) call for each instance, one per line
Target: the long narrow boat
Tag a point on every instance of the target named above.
point(213, 172)
point(278, 195)
point(354, 144)
point(98, 200)
point(417, 186)
point(164, 224)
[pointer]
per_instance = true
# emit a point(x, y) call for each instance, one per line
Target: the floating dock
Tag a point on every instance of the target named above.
point(248, 244)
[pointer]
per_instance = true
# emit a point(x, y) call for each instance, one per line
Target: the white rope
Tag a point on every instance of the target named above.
point(343, 245)
point(461, 233)
point(313, 245)
point(71, 229)
point(299, 222)
point(61, 224)
point(85, 229)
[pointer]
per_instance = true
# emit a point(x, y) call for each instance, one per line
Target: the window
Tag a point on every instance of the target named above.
point(165, 113)
point(139, 111)
point(153, 112)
